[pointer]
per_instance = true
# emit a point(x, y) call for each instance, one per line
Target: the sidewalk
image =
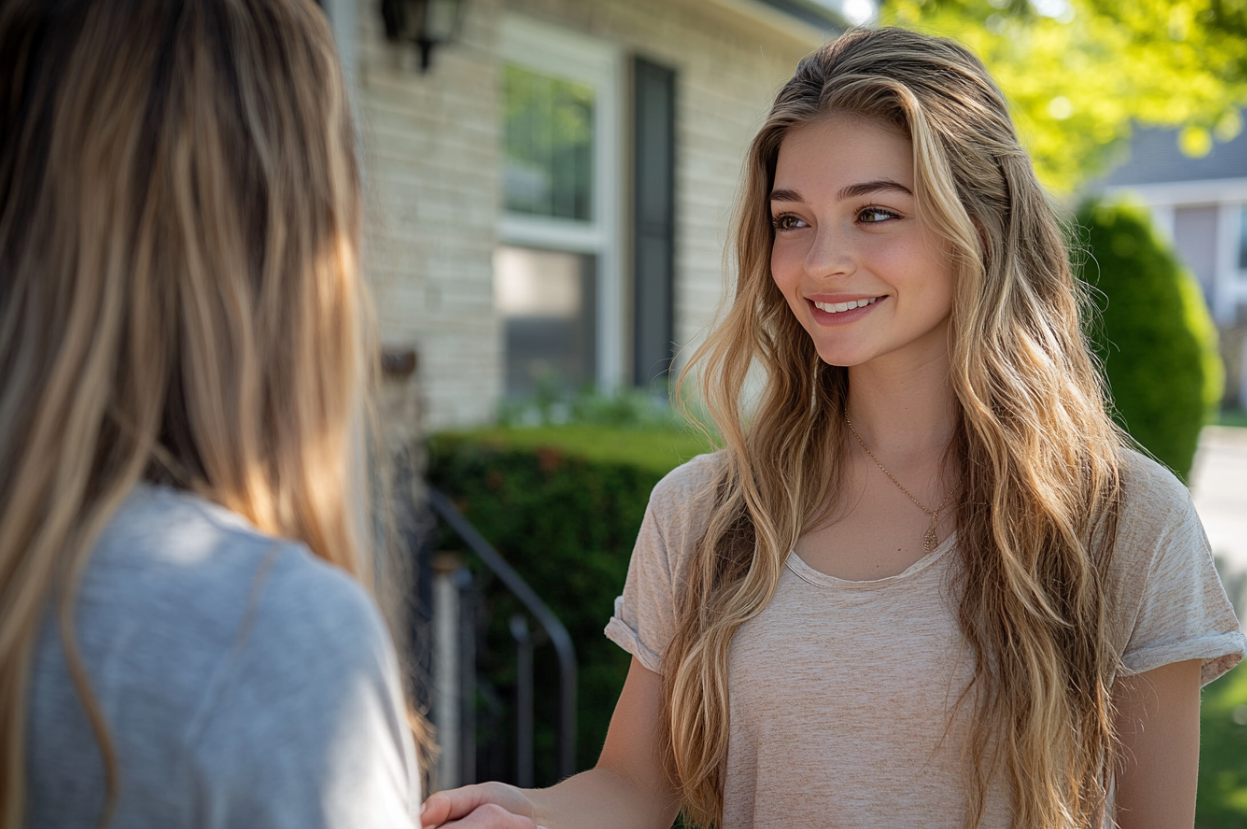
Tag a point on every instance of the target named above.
point(1219, 488)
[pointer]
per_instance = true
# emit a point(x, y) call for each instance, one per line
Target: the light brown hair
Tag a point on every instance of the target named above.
point(1039, 503)
point(180, 298)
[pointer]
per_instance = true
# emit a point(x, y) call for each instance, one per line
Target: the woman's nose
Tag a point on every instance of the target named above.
point(830, 255)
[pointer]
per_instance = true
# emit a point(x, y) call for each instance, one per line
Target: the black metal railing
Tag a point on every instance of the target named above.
point(525, 643)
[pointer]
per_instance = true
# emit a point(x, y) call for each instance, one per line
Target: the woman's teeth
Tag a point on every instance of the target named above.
point(840, 307)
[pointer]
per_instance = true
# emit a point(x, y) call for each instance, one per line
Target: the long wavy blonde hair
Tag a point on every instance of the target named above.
point(1038, 510)
point(179, 296)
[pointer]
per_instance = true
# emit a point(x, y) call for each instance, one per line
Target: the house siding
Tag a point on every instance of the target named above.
point(432, 183)
point(430, 145)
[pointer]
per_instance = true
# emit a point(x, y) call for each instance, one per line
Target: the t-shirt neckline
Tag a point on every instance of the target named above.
point(807, 573)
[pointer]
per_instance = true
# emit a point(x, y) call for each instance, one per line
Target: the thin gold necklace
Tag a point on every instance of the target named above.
point(930, 539)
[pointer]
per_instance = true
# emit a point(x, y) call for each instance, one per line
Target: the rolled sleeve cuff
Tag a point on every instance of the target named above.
point(627, 637)
point(1219, 652)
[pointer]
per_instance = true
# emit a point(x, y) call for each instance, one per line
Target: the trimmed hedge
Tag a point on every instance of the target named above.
point(1155, 338)
point(563, 505)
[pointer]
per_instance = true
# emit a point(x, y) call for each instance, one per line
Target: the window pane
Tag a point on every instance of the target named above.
point(1195, 237)
point(548, 145)
point(546, 300)
point(1242, 239)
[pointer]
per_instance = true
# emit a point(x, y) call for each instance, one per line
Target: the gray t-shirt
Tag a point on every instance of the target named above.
point(842, 705)
point(245, 683)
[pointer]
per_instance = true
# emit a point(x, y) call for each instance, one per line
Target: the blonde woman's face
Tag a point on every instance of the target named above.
point(863, 276)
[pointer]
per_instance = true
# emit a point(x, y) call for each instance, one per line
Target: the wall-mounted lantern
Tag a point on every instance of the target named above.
point(426, 23)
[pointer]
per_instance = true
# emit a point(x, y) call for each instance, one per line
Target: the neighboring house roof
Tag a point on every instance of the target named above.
point(1155, 159)
point(810, 21)
point(829, 15)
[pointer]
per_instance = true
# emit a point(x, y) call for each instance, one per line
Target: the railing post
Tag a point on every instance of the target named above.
point(447, 670)
point(566, 729)
point(559, 637)
point(465, 586)
point(523, 701)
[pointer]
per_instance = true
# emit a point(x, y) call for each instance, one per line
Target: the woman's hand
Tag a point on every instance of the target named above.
point(627, 789)
point(482, 806)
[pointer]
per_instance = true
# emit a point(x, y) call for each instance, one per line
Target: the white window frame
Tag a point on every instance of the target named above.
point(1232, 280)
point(575, 57)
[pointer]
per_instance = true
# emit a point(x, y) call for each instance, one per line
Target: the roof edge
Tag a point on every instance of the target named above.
point(803, 21)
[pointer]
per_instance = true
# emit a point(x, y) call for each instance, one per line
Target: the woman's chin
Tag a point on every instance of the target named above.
point(841, 358)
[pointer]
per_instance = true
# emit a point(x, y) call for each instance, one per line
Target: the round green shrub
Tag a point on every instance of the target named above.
point(1153, 333)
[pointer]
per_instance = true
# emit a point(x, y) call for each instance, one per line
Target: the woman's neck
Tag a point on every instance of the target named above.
point(906, 412)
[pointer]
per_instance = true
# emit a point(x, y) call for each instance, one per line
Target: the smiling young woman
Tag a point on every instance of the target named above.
point(926, 582)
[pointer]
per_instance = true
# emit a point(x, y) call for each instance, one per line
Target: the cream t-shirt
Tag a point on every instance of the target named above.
point(841, 691)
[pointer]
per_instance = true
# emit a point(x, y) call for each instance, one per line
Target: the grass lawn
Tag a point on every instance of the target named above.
point(1232, 417)
point(1222, 802)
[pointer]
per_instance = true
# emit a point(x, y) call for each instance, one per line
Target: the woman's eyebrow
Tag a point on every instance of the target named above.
point(786, 195)
point(854, 191)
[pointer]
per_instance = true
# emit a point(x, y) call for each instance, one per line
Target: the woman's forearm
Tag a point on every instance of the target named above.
point(603, 799)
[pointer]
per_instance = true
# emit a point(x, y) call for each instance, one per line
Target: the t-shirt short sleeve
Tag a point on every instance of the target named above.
point(1168, 604)
point(245, 683)
point(645, 615)
point(308, 727)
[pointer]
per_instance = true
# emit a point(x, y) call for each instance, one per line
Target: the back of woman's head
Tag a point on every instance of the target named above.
point(179, 297)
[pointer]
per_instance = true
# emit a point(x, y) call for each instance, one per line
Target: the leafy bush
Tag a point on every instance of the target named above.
point(1155, 337)
point(563, 505)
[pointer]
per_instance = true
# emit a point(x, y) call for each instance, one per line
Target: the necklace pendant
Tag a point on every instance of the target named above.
point(930, 541)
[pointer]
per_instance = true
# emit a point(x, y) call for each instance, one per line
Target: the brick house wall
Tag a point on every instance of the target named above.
point(433, 167)
point(432, 179)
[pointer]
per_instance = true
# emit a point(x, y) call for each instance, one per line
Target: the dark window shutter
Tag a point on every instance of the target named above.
point(654, 221)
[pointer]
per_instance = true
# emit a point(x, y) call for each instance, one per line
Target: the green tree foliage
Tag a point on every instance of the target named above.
point(1080, 74)
point(1154, 335)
